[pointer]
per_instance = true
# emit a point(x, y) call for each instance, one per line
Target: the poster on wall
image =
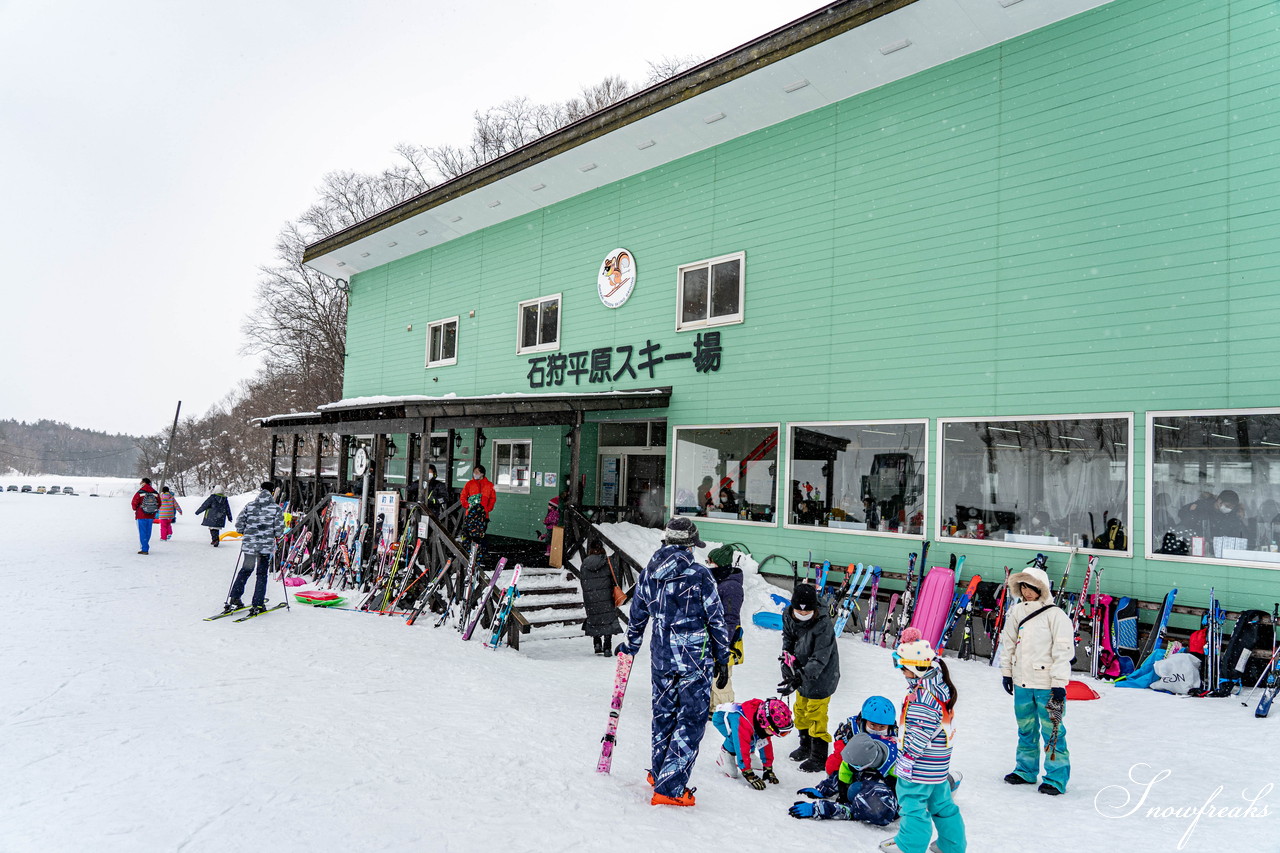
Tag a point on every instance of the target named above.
point(609, 481)
point(344, 515)
point(550, 479)
point(617, 278)
point(387, 506)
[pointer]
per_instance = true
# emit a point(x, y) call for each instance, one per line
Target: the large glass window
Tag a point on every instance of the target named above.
point(866, 476)
point(727, 473)
point(511, 465)
point(711, 292)
point(1037, 482)
point(539, 321)
point(1214, 485)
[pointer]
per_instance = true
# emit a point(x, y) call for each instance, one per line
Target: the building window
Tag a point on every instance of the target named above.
point(539, 322)
point(727, 473)
point(442, 342)
point(857, 476)
point(1213, 486)
point(710, 292)
point(1053, 482)
point(511, 465)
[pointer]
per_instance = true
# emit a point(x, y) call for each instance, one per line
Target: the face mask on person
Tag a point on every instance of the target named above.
point(802, 615)
point(1226, 509)
point(476, 475)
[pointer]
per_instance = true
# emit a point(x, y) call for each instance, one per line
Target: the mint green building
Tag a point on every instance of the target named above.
point(998, 274)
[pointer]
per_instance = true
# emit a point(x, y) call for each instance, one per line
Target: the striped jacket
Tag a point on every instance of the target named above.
point(169, 508)
point(925, 732)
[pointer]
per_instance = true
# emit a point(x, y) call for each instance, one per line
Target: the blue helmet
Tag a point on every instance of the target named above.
point(878, 710)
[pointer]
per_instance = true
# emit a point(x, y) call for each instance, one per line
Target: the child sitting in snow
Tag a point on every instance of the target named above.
point(860, 790)
point(747, 727)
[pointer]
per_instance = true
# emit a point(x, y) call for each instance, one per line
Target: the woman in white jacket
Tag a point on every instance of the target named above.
point(1037, 645)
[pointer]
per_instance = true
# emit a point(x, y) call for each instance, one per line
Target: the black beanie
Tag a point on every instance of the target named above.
point(805, 597)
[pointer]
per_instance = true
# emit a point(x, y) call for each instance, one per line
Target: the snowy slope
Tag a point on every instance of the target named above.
point(131, 725)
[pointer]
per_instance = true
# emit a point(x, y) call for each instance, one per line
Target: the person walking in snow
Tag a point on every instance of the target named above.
point(597, 599)
point(169, 510)
point(747, 728)
point(924, 752)
point(146, 504)
point(261, 523)
point(690, 648)
point(1036, 648)
point(729, 587)
point(810, 668)
point(217, 513)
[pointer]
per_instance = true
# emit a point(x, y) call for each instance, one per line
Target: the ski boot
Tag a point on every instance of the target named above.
point(233, 604)
point(257, 608)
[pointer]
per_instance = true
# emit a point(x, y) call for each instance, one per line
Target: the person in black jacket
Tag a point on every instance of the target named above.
point(435, 494)
point(729, 586)
point(217, 514)
point(811, 667)
point(597, 598)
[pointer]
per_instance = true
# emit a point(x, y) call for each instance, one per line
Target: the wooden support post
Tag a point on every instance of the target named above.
point(379, 462)
point(293, 468)
point(316, 478)
point(410, 461)
point(271, 468)
point(575, 463)
point(424, 458)
point(447, 474)
point(344, 447)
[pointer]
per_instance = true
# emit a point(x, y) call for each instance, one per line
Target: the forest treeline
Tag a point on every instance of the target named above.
point(50, 447)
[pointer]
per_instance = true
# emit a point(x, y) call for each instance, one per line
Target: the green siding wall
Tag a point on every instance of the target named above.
point(1078, 220)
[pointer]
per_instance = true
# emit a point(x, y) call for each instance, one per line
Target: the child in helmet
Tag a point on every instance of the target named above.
point(924, 754)
point(878, 718)
point(860, 791)
point(747, 727)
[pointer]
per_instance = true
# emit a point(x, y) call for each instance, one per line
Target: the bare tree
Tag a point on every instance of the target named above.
point(668, 67)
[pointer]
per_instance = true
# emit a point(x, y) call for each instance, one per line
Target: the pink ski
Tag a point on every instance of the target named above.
point(620, 677)
point(884, 626)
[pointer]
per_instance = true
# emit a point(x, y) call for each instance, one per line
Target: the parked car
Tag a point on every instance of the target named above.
point(68, 490)
point(26, 488)
point(54, 490)
point(12, 489)
point(40, 490)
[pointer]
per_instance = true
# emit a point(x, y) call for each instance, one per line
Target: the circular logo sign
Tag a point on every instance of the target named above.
point(361, 461)
point(617, 278)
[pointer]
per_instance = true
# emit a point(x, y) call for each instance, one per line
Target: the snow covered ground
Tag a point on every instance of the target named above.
point(131, 725)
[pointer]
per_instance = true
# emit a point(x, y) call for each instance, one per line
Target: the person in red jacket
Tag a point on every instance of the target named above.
point(478, 485)
point(146, 503)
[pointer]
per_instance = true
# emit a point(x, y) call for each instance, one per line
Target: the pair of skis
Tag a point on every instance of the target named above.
point(504, 610)
point(857, 578)
point(247, 616)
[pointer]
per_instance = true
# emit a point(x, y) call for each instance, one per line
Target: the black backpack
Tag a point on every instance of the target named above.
point(1239, 650)
point(150, 503)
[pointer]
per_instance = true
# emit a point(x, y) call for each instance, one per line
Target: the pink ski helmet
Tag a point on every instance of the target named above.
point(774, 717)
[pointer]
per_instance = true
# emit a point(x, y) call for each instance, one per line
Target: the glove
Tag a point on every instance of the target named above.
point(721, 674)
point(623, 649)
point(811, 793)
point(769, 776)
point(735, 647)
point(801, 810)
point(753, 780)
point(787, 685)
point(1007, 684)
point(1059, 694)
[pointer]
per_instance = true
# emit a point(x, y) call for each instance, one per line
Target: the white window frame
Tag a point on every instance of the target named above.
point(1148, 551)
point(444, 362)
point(511, 490)
point(674, 439)
point(727, 320)
point(924, 448)
point(543, 347)
point(1064, 549)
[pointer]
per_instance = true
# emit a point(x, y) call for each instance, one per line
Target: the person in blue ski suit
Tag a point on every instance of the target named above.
point(690, 648)
point(861, 790)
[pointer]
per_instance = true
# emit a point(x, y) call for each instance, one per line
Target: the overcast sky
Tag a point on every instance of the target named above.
point(151, 151)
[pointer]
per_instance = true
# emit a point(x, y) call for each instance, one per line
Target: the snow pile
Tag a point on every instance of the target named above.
point(131, 725)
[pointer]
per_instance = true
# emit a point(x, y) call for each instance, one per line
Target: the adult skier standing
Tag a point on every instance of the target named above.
point(1036, 650)
point(262, 523)
point(690, 648)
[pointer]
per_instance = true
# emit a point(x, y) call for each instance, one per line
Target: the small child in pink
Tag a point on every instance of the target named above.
point(169, 510)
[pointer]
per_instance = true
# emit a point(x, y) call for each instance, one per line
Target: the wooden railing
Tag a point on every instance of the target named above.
point(579, 530)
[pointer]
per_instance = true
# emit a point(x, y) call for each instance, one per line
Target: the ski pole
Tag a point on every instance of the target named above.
point(234, 572)
point(1267, 670)
point(283, 586)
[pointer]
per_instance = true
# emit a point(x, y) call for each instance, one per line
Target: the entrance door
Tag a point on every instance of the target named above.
point(646, 485)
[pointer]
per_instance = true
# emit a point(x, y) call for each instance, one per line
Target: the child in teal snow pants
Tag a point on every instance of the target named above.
point(924, 753)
